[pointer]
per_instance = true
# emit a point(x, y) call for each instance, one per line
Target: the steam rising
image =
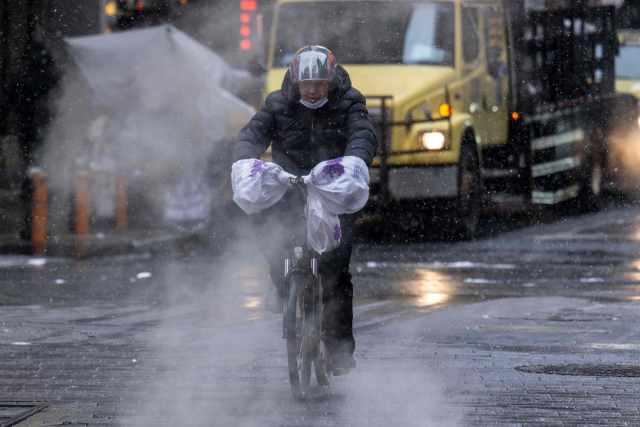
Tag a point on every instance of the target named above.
point(224, 363)
point(145, 105)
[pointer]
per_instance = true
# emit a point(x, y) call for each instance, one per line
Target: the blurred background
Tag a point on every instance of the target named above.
point(117, 120)
point(84, 100)
point(101, 105)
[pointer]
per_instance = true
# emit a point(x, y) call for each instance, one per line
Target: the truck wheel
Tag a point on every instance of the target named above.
point(590, 196)
point(467, 205)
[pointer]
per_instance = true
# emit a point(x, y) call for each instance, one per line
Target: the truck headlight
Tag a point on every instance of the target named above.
point(433, 140)
point(111, 8)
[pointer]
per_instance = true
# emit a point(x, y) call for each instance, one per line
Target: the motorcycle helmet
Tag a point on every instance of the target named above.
point(312, 63)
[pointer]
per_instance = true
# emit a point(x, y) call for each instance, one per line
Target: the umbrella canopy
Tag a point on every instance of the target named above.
point(163, 69)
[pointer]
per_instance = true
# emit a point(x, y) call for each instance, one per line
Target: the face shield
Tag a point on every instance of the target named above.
point(312, 63)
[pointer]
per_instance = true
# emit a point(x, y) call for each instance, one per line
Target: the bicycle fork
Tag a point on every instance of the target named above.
point(317, 297)
point(316, 301)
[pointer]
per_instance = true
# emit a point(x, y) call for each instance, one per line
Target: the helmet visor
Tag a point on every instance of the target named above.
point(311, 65)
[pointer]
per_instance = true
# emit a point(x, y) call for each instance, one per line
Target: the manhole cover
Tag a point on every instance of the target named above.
point(11, 413)
point(584, 370)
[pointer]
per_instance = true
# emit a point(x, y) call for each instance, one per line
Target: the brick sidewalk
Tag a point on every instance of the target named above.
point(479, 346)
point(135, 365)
point(159, 239)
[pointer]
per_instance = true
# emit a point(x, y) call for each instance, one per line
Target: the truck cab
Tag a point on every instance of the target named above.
point(628, 63)
point(439, 68)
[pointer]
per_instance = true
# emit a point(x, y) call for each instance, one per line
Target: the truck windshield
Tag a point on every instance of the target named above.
point(628, 63)
point(363, 32)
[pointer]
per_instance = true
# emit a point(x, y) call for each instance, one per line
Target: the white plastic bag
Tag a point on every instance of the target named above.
point(342, 184)
point(323, 227)
point(258, 185)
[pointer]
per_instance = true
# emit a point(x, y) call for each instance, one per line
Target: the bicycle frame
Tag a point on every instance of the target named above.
point(305, 262)
point(302, 317)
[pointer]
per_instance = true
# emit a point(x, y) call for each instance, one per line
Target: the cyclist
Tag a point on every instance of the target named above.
point(316, 115)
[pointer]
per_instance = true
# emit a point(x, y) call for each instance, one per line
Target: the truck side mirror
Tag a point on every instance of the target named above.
point(256, 67)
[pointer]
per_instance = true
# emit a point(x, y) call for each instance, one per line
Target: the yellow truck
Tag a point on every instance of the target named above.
point(628, 63)
point(473, 103)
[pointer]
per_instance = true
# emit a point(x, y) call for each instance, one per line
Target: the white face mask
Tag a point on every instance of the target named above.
point(315, 105)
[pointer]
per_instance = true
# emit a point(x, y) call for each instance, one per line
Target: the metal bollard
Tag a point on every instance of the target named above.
point(39, 213)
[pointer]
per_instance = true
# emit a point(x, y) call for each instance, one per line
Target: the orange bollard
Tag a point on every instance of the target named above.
point(83, 188)
point(122, 221)
point(83, 191)
point(39, 213)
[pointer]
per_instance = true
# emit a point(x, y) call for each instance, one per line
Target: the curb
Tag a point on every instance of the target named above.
point(102, 245)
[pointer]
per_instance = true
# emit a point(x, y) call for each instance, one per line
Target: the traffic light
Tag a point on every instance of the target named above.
point(250, 30)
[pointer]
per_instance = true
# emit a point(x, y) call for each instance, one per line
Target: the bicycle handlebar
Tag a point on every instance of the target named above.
point(299, 183)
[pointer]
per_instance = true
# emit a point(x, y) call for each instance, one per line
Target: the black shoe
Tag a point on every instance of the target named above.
point(273, 302)
point(342, 363)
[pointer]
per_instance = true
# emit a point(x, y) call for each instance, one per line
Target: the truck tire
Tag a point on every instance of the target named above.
point(467, 204)
point(590, 196)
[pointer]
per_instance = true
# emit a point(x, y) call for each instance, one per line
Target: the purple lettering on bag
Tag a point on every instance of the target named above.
point(333, 168)
point(257, 168)
point(337, 233)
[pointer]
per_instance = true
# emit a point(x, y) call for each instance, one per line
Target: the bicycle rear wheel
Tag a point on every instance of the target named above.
point(299, 318)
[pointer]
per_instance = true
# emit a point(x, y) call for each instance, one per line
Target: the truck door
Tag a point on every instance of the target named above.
point(474, 72)
point(497, 77)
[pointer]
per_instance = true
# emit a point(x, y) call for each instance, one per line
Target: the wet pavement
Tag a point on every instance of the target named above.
point(467, 333)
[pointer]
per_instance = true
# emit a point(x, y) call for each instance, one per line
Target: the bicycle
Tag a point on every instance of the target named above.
point(302, 319)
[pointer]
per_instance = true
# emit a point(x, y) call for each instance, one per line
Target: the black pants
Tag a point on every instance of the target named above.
point(276, 225)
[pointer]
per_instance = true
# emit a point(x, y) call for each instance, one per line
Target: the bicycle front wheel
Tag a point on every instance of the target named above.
point(299, 319)
point(323, 374)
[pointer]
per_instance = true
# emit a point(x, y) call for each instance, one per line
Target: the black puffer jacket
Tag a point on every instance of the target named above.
point(302, 137)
